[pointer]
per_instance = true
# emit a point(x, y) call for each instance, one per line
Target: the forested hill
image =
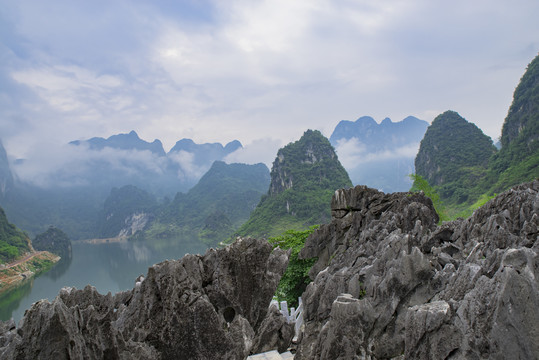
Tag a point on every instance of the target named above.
point(213, 209)
point(13, 242)
point(462, 164)
point(453, 155)
point(518, 159)
point(304, 176)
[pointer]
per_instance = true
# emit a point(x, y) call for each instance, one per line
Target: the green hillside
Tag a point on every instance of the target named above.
point(55, 241)
point(518, 159)
point(13, 242)
point(304, 177)
point(453, 155)
point(461, 164)
point(222, 200)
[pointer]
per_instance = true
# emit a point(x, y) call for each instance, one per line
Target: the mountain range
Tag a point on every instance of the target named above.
point(72, 197)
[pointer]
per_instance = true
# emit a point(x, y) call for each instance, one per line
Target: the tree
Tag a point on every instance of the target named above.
point(296, 277)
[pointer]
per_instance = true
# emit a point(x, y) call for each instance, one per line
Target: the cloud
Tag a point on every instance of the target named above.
point(188, 169)
point(258, 151)
point(352, 153)
point(219, 71)
point(67, 165)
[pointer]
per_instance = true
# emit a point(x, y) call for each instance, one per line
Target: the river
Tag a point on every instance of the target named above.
point(109, 267)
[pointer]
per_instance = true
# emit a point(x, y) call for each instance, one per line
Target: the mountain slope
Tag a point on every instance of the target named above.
point(125, 211)
point(518, 159)
point(453, 156)
point(220, 202)
point(304, 176)
point(460, 162)
point(13, 242)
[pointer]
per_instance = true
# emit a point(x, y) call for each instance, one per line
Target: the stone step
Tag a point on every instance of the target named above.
point(272, 355)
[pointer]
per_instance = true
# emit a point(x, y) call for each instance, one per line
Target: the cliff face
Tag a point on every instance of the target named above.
point(294, 164)
point(523, 117)
point(390, 283)
point(200, 307)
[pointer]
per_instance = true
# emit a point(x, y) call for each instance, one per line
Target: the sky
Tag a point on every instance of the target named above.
point(259, 71)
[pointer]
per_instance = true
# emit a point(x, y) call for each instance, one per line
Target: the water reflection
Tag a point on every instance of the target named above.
point(110, 267)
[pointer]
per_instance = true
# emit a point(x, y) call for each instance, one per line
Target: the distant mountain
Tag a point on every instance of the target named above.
point(205, 153)
point(129, 141)
point(13, 242)
point(146, 165)
point(379, 155)
point(126, 210)
point(304, 176)
point(453, 155)
point(218, 204)
point(72, 196)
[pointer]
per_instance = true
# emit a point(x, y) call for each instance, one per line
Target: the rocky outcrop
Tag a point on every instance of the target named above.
point(391, 284)
point(198, 307)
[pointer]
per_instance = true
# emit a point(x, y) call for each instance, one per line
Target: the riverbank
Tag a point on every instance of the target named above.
point(13, 274)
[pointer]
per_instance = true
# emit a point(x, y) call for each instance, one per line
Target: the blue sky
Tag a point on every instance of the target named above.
point(261, 72)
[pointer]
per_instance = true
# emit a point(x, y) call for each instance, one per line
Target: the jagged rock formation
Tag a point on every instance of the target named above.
point(199, 307)
point(390, 284)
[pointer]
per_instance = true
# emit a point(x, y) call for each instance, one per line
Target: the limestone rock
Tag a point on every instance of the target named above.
point(274, 333)
point(198, 307)
point(390, 283)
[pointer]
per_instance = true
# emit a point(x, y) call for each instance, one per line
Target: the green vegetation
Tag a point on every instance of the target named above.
point(420, 184)
point(304, 177)
point(213, 209)
point(296, 277)
point(55, 241)
point(13, 242)
point(453, 156)
point(461, 163)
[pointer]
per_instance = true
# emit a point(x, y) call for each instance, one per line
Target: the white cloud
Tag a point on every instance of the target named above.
point(188, 168)
point(69, 165)
point(258, 151)
point(353, 153)
point(256, 68)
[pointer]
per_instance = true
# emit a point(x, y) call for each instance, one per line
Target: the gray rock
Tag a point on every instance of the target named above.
point(274, 333)
point(198, 307)
point(465, 289)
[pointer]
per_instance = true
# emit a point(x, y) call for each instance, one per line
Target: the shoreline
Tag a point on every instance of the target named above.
point(14, 274)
